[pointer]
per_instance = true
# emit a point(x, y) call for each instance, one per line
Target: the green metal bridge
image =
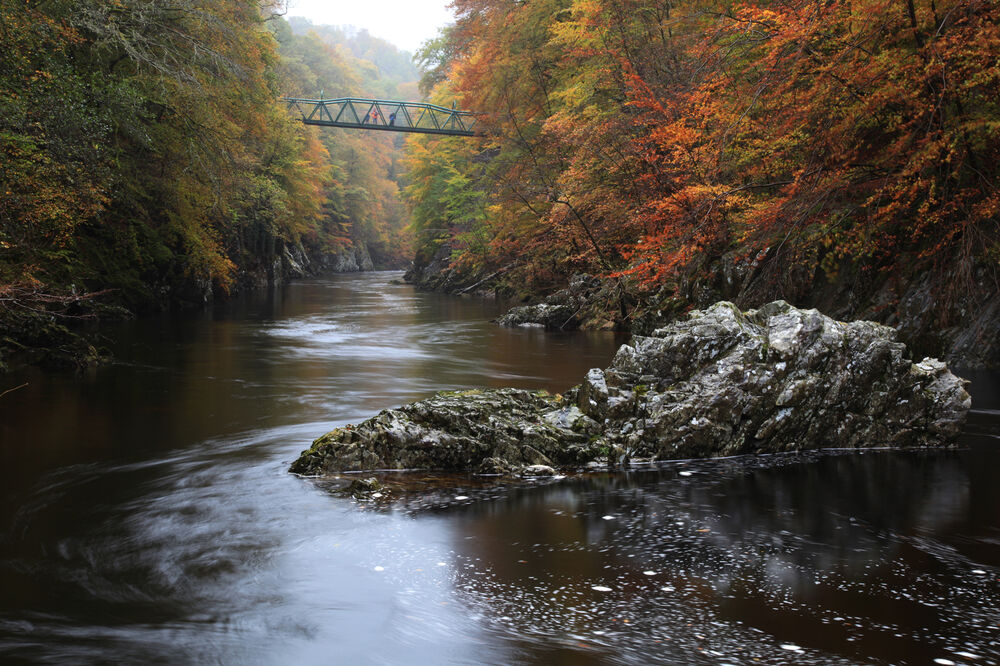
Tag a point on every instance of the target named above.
point(385, 115)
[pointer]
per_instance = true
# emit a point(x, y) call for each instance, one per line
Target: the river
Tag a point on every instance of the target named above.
point(147, 514)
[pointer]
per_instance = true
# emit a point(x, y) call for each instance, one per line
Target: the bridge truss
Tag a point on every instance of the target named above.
point(385, 115)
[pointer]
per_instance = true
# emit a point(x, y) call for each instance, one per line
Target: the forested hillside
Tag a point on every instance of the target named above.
point(364, 165)
point(838, 153)
point(387, 71)
point(146, 155)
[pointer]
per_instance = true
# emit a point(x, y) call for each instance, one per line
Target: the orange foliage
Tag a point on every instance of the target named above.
point(642, 138)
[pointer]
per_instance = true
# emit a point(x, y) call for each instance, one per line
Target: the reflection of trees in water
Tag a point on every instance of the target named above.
point(841, 511)
point(857, 555)
point(831, 512)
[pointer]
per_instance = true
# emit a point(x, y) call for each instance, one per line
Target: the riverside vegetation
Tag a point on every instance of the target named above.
point(842, 156)
point(146, 160)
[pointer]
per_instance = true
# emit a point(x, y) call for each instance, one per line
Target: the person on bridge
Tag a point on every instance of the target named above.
point(364, 121)
point(392, 119)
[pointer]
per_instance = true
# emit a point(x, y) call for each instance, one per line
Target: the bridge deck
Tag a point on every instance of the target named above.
point(385, 115)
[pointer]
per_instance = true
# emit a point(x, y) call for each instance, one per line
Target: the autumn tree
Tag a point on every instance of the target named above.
point(801, 142)
point(146, 154)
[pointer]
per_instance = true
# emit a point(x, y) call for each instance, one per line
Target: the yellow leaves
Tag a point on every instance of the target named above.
point(679, 136)
point(168, 142)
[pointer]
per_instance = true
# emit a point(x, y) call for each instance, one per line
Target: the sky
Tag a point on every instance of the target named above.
point(405, 23)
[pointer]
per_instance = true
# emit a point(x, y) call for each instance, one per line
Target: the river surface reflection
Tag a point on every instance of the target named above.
point(147, 515)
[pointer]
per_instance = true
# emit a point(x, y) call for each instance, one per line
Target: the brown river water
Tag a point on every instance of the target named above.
point(146, 514)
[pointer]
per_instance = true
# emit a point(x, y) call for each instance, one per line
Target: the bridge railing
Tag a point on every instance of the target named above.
point(385, 115)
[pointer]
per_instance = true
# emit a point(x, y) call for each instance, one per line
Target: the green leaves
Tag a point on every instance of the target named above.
point(144, 146)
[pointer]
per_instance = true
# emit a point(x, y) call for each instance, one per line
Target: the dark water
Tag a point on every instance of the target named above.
point(147, 515)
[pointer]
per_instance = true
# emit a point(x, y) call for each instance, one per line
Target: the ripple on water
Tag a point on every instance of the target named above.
point(173, 532)
point(691, 573)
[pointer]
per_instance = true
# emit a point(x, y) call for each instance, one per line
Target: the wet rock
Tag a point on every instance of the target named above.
point(454, 430)
point(592, 397)
point(723, 382)
point(564, 310)
point(363, 487)
point(538, 470)
point(494, 467)
point(781, 379)
point(547, 315)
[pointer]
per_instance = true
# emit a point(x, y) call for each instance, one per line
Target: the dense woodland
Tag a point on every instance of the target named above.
point(668, 146)
point(147, 159)
point(789, 144)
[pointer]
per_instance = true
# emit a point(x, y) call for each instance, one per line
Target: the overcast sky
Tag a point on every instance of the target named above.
point(405, 23)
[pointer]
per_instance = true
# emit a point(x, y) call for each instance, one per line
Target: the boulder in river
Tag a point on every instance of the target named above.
point(489, 430)
point(723, 382)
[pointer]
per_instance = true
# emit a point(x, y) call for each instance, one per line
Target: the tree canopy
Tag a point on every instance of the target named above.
point(145, 151)
point(647, 140)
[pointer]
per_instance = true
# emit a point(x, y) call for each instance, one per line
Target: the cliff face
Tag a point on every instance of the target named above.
point(295, 261)
point(954, 315)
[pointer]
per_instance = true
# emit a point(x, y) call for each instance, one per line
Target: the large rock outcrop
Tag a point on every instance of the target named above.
point(723, 382)
point(494, 430)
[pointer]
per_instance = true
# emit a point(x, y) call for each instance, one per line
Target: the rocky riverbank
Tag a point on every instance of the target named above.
point(949, 314)
point(722, 382)
point(586, 301)
point(436, 273)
